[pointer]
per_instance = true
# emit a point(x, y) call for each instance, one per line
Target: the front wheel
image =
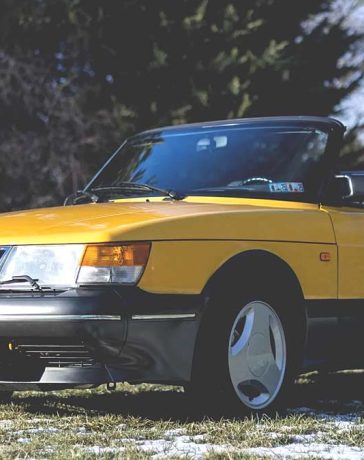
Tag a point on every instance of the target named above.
point(248, 355)
point(257, 355)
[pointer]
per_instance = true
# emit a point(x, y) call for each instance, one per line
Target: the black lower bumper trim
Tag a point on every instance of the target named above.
point(66, 378)
point(142, 337)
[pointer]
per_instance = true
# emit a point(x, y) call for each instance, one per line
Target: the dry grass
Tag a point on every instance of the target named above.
point(142, 421)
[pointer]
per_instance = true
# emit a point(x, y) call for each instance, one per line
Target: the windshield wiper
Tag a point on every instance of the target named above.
point(93, 195)
point(25, 279)
point(75, 198)
point(135, 186)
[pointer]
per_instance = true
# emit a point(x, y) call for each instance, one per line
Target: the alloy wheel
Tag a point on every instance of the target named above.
point(257, 355)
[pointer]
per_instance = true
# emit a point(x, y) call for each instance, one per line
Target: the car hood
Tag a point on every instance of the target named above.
point(168, 220)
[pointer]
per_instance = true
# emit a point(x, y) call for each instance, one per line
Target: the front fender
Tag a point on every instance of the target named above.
point(184, 267)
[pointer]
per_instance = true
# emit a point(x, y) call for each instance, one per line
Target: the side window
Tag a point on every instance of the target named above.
point(347, 187)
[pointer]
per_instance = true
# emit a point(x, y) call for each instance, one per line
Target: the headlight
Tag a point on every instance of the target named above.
point(71, 264)
point(53, 264)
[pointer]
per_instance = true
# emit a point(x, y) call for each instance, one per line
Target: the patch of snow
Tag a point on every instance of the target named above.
point(186, 446)
point(6, 423)
point(39, 420)
point(299, 450)
point(97, 450)
point(38, 430)
point(23, 440)
point(273, 435)
point(306, 438)
point(341, 422)
point(174, 432)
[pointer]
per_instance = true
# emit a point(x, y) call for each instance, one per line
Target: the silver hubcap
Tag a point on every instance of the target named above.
point(257, 355)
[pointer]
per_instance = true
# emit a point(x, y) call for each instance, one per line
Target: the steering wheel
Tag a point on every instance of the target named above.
point(256, 180)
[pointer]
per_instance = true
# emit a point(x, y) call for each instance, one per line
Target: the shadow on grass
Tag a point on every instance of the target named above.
point(315, 391)
point(321, 388)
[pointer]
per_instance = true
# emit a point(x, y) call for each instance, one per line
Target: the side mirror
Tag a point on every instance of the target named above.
point(348, 187)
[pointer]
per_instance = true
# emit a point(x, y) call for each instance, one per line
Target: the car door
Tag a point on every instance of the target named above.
point(347, 216)
point(348, 223)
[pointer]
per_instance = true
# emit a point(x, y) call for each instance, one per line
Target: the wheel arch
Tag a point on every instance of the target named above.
point(256, 268)
point(254, 264)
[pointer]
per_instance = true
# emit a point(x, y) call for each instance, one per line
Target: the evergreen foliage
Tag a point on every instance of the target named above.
point(77, 76)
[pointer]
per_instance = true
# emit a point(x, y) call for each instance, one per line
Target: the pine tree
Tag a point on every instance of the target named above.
point(103, 70)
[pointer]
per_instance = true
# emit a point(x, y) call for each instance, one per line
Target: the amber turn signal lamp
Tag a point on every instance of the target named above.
point(325, 256)
point(110, 255)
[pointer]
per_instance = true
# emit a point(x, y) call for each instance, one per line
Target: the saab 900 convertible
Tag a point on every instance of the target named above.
point(226, 257)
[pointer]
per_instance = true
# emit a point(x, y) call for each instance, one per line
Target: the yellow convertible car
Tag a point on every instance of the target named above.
point(226, 257)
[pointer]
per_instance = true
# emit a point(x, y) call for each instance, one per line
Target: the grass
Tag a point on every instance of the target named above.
point(137, 422)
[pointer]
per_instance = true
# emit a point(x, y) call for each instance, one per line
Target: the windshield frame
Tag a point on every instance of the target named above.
point(332, 127)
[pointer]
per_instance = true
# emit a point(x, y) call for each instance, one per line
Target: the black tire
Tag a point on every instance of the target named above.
point(211, 383)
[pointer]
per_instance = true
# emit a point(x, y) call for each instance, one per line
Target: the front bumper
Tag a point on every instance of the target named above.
point(92, 336)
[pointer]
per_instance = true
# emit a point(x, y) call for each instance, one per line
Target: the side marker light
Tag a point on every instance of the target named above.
point(325, 256)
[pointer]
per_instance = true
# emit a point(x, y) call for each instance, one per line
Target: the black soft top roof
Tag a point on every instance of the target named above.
point(324, 123)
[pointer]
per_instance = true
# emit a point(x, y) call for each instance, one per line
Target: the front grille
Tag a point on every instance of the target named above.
point(58, 355)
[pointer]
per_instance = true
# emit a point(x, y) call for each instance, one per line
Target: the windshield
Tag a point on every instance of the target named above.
point(278, 163)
